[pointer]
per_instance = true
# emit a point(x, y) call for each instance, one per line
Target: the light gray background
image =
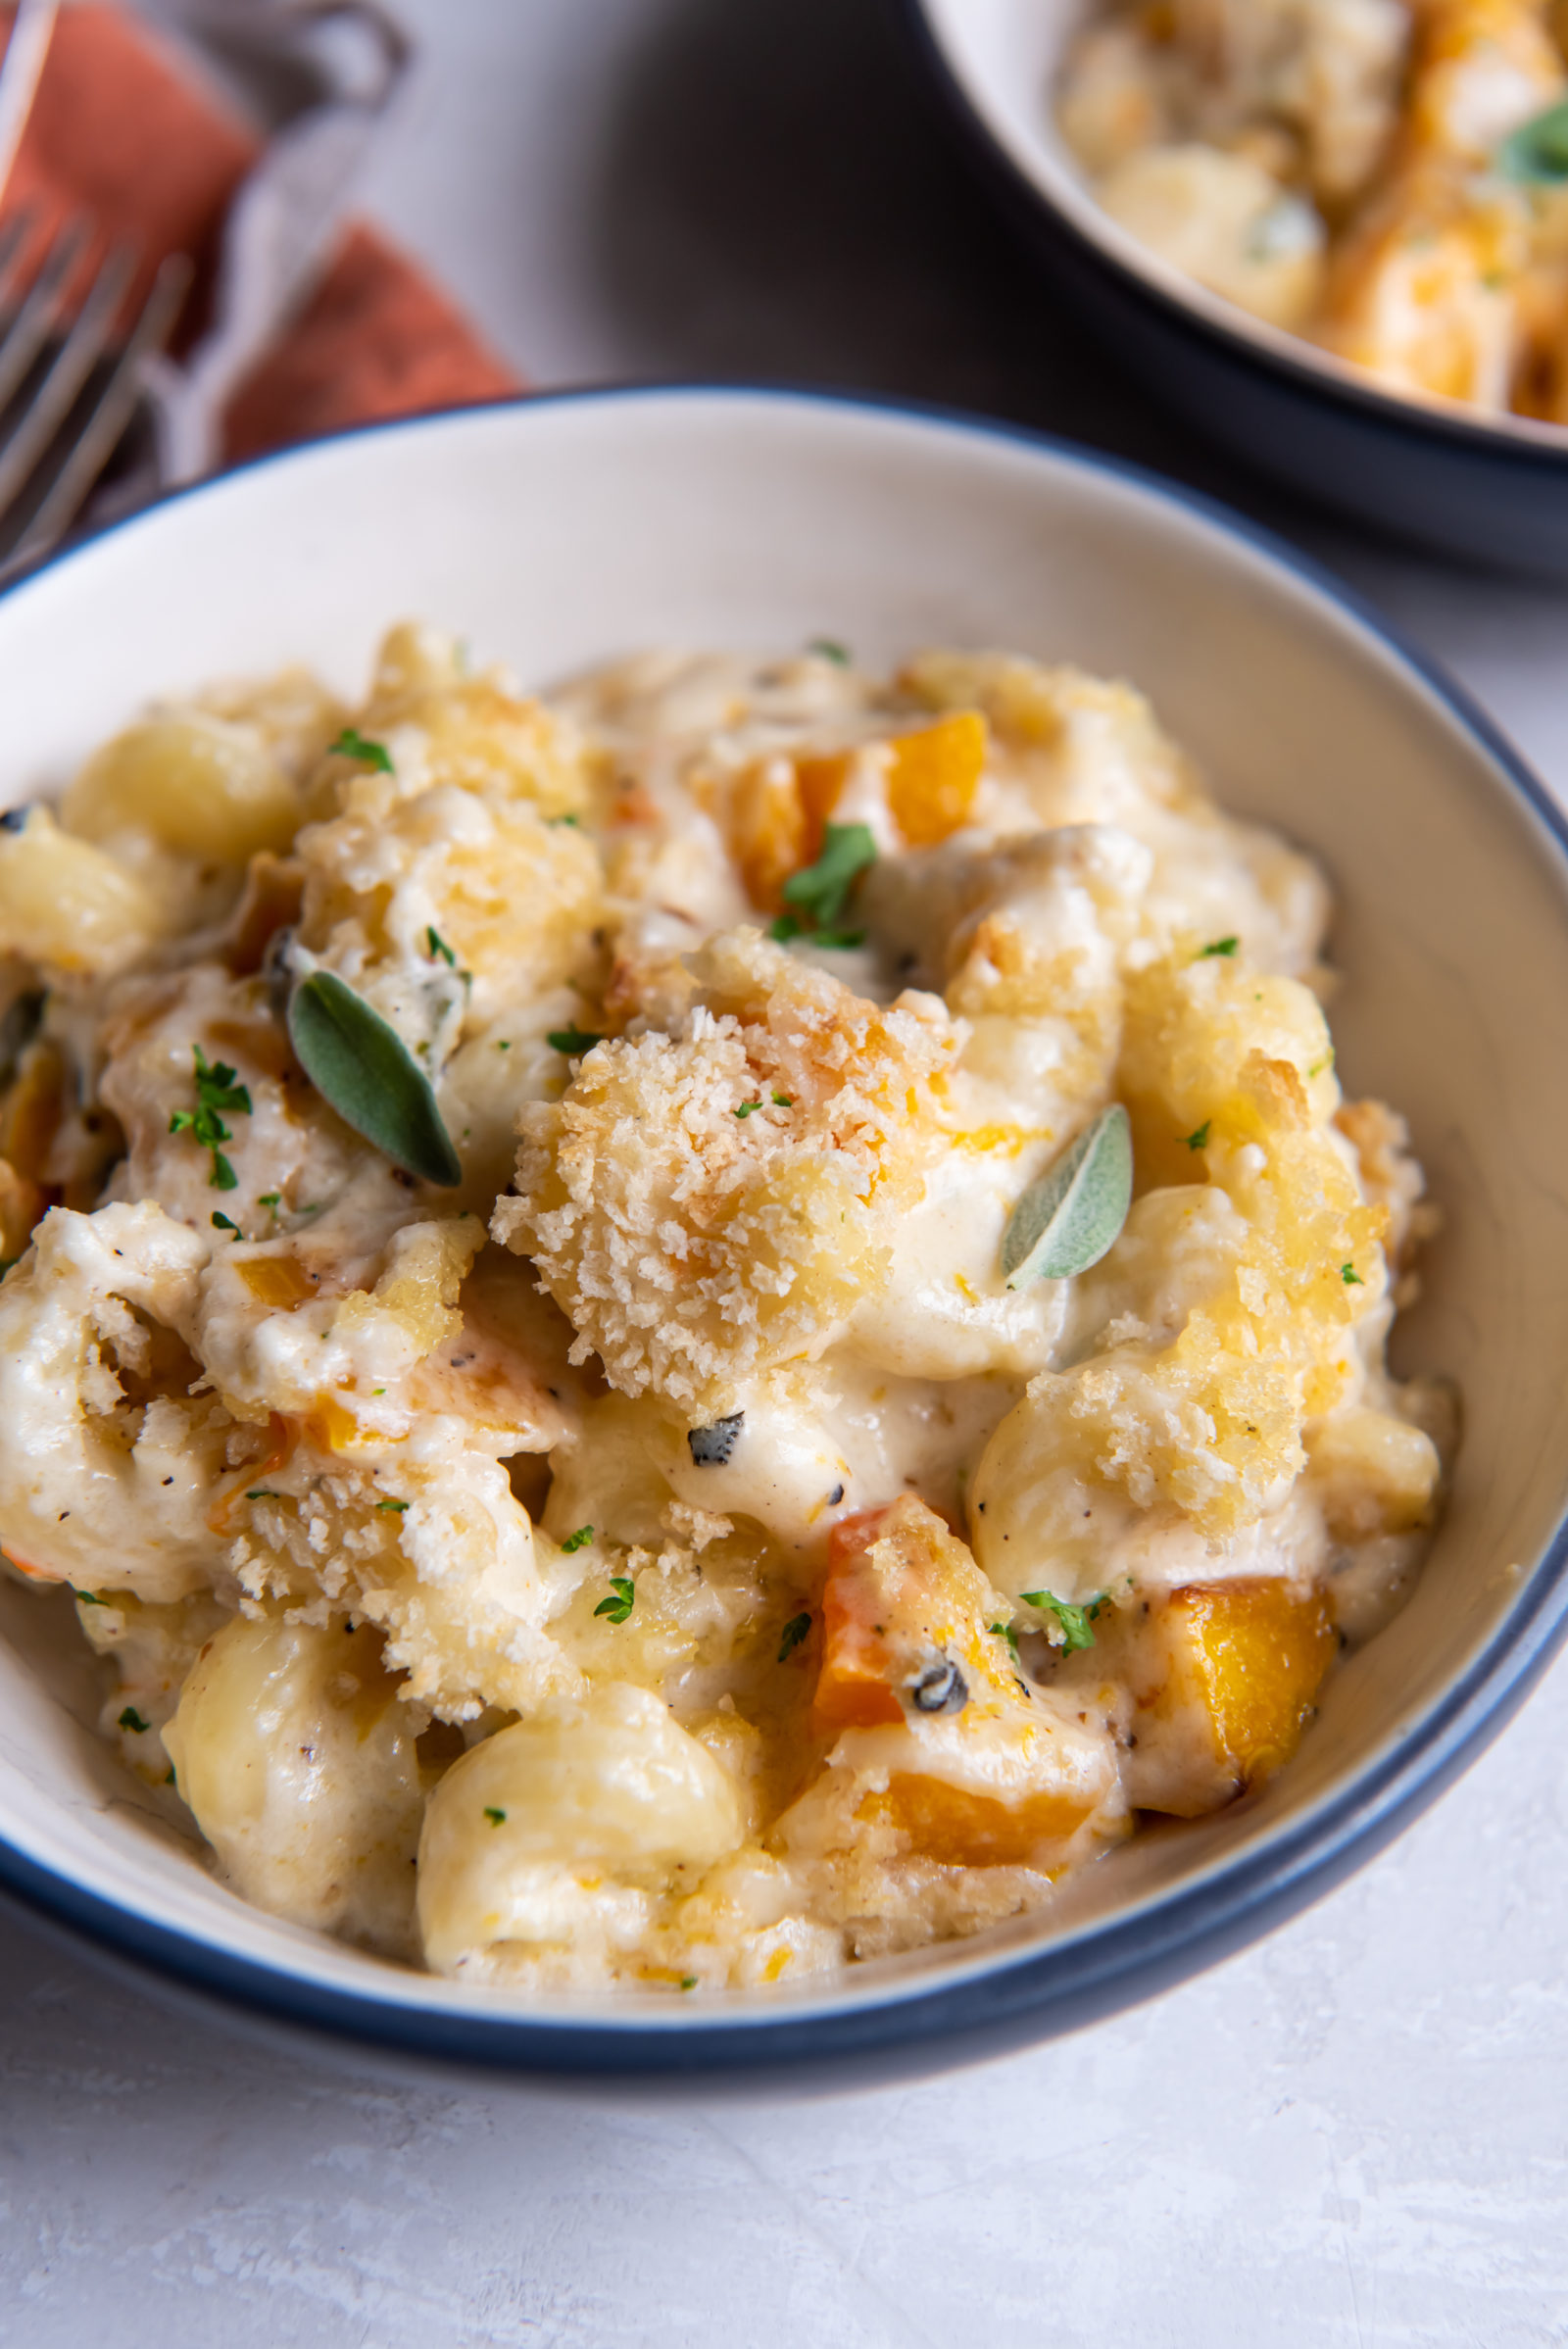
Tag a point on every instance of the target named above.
point(1358, 2132)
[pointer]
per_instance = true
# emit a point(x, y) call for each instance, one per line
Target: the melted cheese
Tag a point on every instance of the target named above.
point(677, 1533)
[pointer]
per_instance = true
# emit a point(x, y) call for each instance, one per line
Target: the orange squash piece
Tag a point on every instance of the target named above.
point(276, 1281)
point(959, 1830)
point(779, 809)
point(778, 814)
point(1236, 1668)
point(855, 1686)
point(989, 1781)
point(933, 776)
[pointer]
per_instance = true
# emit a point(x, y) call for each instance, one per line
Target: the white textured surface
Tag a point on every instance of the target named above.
point(1356, 2134)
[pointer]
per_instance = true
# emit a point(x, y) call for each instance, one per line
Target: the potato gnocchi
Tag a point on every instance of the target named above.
point(674, 1554)
point(1388, 179)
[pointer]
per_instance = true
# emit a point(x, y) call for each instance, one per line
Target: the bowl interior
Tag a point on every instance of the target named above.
point(1004, 57)
point(557, 533)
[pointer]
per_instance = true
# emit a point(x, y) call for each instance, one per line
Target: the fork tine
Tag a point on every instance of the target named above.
point(29, 328)
point(101, 431)
point(14, 236)
point(79, 353)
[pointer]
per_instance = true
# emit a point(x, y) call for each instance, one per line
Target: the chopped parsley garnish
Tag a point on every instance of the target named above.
point(573, 1042)
point(398, 1505)
point(270, 1198)
point(783, 1100)
point(1351, 1277)
point(439, 945)
point(90, 1598)
point(794, 1631)
point(1004, 1631)
point(1219, 945)
point(579, 1540)
point(1197, 1139)
point(787, 927)
point(828, 648)
point(622, 1599)
point(130, 1719)
point(225, 1223)
point(817, 895)
point(503, 1044)
point(746, 1108)
point(1072, 1622)
point(263, 1492)
point(1318, 1066)
point(574, 820)
point(215, 1092)
point(494, 1815)
point(688, 1981)
point(352, 744)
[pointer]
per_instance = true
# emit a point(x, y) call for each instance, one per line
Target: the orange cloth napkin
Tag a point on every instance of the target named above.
point(120, 127)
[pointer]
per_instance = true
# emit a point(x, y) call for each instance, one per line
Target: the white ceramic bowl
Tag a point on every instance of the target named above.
point(557, 532)
point(1476, 485)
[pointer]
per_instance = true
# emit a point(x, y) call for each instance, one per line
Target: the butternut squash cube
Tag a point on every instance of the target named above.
point(901, 1592)
point(1223, 1677)
point(959, 1830)
point(937, 1735)
point(933, 776)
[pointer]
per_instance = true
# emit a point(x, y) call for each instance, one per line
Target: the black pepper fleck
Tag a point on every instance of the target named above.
point(940, 1689)
point(711, 1446)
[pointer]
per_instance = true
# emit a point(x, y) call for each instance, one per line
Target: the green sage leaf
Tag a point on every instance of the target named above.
point(1068, 1218)
point(365, 1070)
point(1535, 155)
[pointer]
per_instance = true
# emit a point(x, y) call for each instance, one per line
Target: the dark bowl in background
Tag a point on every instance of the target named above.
point(1491, 490)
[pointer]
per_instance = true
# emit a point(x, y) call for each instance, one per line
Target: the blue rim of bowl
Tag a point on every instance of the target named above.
point(1020, 1996)
point(1473, 435)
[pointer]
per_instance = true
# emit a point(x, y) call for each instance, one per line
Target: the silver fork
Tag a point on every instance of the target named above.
point(63, 410)
point(67, 392)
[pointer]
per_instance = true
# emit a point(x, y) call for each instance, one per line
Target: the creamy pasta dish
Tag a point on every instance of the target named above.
point(709, 1325)
point(1388, 179)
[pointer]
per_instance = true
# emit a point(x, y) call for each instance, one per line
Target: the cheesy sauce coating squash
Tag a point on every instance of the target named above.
point(673, 1556)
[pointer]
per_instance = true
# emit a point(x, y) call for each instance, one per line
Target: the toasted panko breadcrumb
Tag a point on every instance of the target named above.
point(706, 1205)
point(701, 1588)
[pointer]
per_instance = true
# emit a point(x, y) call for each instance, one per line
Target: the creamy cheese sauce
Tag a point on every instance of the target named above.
point(674, 1552)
